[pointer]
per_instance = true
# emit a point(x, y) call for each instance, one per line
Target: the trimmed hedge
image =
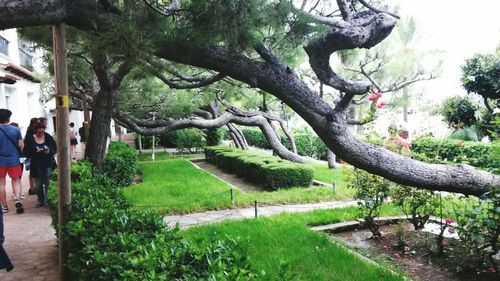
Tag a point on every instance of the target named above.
point(272, 171)
point(478, 154)
point(120, 164)
point(108, 240)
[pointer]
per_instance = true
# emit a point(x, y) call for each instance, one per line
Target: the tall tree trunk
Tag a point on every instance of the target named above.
point(241, 138)
point(405, 113)
point(332, 160)
point(99, 128)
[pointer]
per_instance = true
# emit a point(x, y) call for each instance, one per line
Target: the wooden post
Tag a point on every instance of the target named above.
point(154, 139)
point(140, 143)
point(231, 193)
point(63, 152)
point(255, 204)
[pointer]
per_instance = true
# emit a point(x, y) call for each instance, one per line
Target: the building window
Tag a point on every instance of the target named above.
point(4, 46)
point(8, 102)
point(25, 59)
point(8, 98)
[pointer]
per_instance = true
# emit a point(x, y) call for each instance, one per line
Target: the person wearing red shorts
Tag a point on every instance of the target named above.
point(11, 143)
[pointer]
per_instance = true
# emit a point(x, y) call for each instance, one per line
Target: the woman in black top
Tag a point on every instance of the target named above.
point(29, 132)
point(41, 148)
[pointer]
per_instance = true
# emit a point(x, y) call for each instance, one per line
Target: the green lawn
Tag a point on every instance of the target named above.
point(163, 155)
point(285, 249)
point(176, 186)
point(160, 155)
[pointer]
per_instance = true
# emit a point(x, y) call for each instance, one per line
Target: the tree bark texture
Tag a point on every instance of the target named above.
point(99, 128)
point(332, 160)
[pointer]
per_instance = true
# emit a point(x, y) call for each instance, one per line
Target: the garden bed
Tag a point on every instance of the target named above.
point(415, 259)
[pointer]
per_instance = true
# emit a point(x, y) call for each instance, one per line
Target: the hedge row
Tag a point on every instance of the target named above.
point(108, 240)
point(307, 143)
point(120, 164)
point(272, 171)
point(186, 140)
point(478, 154)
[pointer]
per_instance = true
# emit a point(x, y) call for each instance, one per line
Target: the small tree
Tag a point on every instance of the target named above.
point(372, 191)
point(459, 112)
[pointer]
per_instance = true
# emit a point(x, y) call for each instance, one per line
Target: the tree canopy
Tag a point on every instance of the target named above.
point(258, 43)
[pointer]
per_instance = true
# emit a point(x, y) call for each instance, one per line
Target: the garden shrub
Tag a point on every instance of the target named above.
point(372, 191)
point(459, 112)
point(272, 171)
point(479, 227)
point(255, 137)
point(120, 163)
point(214, 136)
point(477, 154)
point(320, 149)
point(108, 240)
point(190, 140)
point(417, 204)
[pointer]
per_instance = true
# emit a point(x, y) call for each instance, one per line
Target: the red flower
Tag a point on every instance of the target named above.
point(373, 97)
point(449, 220)
point(378, 94)
point(380, 104)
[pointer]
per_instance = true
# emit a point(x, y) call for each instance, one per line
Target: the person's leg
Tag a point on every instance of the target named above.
point(32, 190)
point(39, 189)
point(16, 186)
point(15, 174)
point(45, 191)
point(3, 194)
point(47, 185)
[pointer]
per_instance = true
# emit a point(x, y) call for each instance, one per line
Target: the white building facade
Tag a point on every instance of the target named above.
point(19, 85)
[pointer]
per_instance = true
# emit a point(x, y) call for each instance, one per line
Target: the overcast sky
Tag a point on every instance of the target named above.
point(460, 29)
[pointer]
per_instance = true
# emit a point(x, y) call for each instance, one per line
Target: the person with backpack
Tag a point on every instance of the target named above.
point(11, 145)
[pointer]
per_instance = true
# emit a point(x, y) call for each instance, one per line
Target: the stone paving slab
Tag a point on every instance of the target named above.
point(30, 241)
point(195, 219)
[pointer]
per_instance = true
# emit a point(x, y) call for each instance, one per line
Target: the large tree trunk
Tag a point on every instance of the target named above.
point(332, 160)
point(99, 128)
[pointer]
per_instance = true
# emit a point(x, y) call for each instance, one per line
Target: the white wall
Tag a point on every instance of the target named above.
point(23, 96)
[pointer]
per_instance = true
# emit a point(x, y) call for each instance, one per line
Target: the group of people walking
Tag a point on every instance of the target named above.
point(34, 152)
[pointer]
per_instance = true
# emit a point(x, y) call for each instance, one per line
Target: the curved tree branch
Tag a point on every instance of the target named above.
point(156, 127)
point(365, 30)
point(376, 10)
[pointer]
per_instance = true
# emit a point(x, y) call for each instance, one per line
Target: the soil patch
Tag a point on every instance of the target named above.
point(242, 184)
point(415, 259)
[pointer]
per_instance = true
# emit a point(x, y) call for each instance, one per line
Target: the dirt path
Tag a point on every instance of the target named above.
point(30, 241)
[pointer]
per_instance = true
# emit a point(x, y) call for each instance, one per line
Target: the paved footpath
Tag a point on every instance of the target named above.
point(194, 219)
point(30, 241)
